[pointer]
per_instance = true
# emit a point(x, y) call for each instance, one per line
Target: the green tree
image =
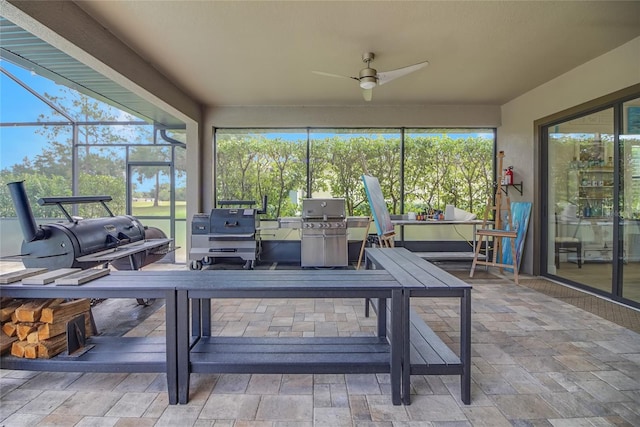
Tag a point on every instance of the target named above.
point(153, 154)
point(37, 185)
point(287, 172)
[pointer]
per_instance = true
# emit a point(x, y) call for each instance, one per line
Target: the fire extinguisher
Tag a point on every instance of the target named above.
point(508, 175)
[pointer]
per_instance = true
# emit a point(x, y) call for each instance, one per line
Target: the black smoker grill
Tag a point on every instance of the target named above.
point(226, 233)
point(323, 241)
point(85, 243)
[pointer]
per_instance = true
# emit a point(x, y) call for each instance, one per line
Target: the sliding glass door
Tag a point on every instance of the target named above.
point(630, 201)
point(580, 208)
point(592, 206)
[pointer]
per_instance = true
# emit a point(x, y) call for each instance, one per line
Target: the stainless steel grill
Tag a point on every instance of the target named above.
point(323, 241)
point(226, 233)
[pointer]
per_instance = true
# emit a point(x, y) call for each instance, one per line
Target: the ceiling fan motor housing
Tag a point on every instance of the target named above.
point(368, 78)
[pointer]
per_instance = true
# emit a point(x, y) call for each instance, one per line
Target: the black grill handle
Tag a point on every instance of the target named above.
point(231, 224)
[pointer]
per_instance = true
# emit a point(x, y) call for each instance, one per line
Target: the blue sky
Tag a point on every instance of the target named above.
point(18, 105)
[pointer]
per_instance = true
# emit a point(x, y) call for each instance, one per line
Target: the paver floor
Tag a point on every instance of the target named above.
point(537, 361)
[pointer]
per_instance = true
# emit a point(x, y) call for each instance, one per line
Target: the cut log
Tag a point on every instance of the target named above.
point(17, 348)
point(32, 338)
point(31, 351)
point(65, 311)
point(52, 347)
point(31, 311)
point(6, 343)
point(9, 307)
point(50, 330)
point(10, 329)
point(24, 329)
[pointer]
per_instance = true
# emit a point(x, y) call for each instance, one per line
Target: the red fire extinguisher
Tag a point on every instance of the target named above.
point(508, 175)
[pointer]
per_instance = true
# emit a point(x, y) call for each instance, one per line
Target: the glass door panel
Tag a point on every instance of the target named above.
point(151, 197)
point(580, 206)
point(630, 200)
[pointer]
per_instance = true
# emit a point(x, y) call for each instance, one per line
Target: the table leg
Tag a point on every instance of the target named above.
point(196, 318)
point(465, 346)
point(382, 317)
point(396, 346)
point(406, 348)
point(183, 345)
point(171, 346)
point(205, 306)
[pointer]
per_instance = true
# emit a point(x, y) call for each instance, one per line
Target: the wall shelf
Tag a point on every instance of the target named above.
point(517, 187)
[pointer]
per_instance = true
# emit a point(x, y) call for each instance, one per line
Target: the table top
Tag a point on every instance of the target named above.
point(146, 283)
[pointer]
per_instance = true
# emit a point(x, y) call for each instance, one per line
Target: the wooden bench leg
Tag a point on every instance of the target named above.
point(476, 255)
point(515, 260)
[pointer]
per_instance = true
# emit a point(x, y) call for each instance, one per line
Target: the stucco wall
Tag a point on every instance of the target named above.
point(615, 70)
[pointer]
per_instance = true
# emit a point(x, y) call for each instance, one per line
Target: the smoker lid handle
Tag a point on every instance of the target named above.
point(236, 203)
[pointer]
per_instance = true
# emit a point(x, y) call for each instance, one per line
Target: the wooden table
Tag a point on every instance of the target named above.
point(111, 354)
point(199, 352)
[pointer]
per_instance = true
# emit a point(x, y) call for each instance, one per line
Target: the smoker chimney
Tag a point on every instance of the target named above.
point(25, 215)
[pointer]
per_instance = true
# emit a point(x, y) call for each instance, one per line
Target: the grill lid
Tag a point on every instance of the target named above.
point(323, 209)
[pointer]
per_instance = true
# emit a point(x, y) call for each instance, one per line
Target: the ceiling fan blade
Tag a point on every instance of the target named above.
point(367, 94)
point(387, 76)
point(322, 73)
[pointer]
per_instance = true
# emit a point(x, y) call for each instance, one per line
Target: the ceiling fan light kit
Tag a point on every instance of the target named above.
point(367, 82)
point(369, 78)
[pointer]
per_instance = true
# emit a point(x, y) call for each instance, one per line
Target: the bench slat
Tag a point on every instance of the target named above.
point(423, 336)
point(406, 263)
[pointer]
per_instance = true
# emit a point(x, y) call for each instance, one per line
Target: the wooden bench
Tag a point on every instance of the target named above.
point(424, 353)
point(199, 352)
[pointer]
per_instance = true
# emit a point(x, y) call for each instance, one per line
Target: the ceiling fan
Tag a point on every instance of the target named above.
point(370, 77)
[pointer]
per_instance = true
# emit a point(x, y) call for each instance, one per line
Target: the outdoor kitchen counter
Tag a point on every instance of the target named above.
point(199, 352)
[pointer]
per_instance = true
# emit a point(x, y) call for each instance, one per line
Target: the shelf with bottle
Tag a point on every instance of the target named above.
point(595, 189)
point(596, 208)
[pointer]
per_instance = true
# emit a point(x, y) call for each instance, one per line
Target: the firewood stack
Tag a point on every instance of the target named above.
point(38, 327)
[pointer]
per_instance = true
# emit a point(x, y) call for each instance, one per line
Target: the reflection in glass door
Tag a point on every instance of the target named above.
point(150, 196)
point(580, 200)
point(629, 234)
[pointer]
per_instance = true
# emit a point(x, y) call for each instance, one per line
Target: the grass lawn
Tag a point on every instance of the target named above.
point(144, 208)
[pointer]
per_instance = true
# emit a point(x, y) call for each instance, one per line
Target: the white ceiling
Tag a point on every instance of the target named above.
point(263, 52)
